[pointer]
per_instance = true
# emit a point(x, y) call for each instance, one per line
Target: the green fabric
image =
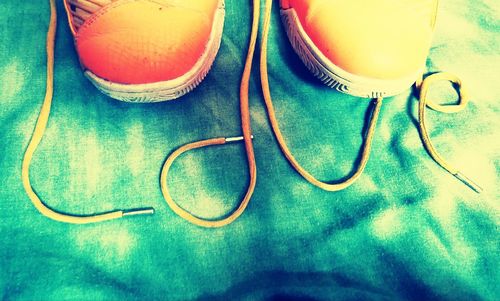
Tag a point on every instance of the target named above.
point(407, 230)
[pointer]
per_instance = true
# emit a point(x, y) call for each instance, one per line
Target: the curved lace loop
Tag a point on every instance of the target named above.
point(186, 214)
point(37, 136)
point(279, 136)
point(423, 85)
point(246, 138)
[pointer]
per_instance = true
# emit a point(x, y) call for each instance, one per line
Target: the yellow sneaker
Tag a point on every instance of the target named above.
point(363, 48)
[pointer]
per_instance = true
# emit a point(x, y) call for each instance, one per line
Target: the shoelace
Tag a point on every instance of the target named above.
point(422, 85)
point(37, 136)
point(279, 136)
point(246, 138)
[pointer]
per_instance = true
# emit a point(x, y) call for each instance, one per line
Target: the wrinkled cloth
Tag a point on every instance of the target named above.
point(407, 230)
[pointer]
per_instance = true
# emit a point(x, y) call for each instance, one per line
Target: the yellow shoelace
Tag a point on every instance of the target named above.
point(247, 138)
point(422, 85)
point(37, 136)
point(281, 141)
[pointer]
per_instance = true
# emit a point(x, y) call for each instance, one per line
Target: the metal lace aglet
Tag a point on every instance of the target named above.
point(472, 185)
point(140, 211)
point(236, 139)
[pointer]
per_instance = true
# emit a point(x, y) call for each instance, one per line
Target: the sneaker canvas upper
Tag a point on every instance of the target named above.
point(145, 41)
point(382, 39)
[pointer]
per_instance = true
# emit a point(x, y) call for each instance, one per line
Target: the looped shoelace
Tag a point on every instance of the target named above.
point(423, 85)
point(246, 138)
point(276, 130)
point(37, 136)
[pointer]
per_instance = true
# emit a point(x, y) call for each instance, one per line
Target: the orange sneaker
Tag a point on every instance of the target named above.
point(146, 50)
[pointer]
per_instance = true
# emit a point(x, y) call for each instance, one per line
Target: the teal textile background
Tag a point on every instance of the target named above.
point(406, 230)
